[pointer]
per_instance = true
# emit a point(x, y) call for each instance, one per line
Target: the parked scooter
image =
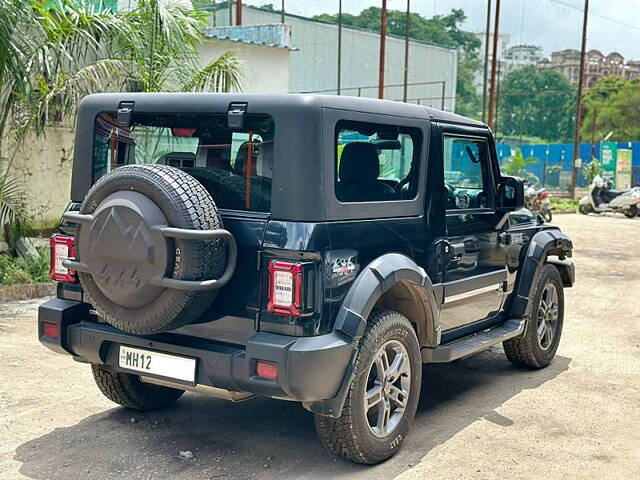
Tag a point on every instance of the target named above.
point(538, 202)
point(602, 198)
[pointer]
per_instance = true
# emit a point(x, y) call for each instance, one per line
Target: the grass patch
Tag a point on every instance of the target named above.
point(33, 269)
point(564, 204)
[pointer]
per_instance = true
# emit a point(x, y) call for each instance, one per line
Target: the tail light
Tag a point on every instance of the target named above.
point(62, 247)
point(285, 288)
point(544, 195)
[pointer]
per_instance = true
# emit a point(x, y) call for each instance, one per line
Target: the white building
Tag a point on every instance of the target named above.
point(313, 66)
point(264, 51)
point(520, 56)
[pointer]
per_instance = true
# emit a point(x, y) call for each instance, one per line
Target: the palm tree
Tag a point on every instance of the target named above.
point(517, 166)
point(161, 47)
point(51, 57)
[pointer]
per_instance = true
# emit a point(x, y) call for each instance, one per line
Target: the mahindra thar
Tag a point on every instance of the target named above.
point(310, 248)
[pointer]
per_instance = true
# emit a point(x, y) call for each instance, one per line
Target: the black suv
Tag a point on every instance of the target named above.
point(310, 248)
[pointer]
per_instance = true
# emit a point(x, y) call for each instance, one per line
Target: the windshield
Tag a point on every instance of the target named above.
point(234, 165)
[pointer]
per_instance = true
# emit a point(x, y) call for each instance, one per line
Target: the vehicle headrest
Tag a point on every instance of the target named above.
point(243, 155)
point(359, 163)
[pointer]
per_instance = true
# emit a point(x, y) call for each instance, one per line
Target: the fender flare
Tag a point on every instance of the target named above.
point(377, 278)
point(542, 244)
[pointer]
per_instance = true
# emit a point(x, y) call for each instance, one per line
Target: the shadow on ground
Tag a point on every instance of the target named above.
point(265, 438)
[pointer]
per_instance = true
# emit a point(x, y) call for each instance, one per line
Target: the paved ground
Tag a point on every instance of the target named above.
point(479, 418)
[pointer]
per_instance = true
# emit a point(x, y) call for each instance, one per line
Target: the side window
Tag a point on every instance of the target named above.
point(376, 162)
point(467, 180)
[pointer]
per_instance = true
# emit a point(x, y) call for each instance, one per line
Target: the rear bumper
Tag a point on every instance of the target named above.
point(310, 369)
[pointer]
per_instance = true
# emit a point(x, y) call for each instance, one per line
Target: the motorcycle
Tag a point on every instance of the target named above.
point(538, 202)
point(601, 198)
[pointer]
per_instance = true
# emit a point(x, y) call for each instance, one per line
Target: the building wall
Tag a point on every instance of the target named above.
point(313, 67)
point(264, 69)
point(43, 166)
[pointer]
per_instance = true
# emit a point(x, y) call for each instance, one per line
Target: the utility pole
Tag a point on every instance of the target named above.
point(494, 65)
point(383, 34)
point(339, 45)
point(239, 12)
point(576, 140)
point(282, 13)
point(487, 35)
point(406, 52)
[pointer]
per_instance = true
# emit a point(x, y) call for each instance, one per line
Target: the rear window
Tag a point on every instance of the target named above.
point(235, 166)
point(376, 162)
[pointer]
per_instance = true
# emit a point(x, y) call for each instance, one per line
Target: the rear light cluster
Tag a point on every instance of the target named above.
point(290, 288)
point(62, 247)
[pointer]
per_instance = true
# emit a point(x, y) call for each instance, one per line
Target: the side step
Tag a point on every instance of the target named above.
point(474, 343)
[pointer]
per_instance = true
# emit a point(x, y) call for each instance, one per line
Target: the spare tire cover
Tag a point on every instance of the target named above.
point(124, 252)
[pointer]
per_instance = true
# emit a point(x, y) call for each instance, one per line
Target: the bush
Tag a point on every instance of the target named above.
point(564, 204)
point(25, 270)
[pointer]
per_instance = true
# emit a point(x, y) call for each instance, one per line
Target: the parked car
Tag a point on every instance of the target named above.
point(305, 248)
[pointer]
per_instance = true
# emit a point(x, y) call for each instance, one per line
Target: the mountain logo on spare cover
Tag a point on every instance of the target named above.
point(116, 238)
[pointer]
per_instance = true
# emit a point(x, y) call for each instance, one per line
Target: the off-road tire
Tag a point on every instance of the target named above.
point(348, 436)
point(186, 204)
point(127, 390)
point(526, 350)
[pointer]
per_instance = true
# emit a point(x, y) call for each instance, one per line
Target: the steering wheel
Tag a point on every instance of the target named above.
point(451, 194)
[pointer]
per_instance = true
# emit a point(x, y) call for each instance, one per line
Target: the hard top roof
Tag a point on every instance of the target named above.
point(196, 102)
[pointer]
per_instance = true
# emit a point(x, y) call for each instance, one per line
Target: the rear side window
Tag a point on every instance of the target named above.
point(376, 163)
point(234, 166)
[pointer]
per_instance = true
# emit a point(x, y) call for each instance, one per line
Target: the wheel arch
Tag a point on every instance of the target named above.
point(543, 245)
point(395, 282)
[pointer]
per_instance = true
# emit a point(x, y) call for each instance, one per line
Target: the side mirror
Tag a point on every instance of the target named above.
point(510, 194)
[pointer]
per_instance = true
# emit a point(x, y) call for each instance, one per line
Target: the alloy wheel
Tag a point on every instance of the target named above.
point(548, 311)
point(387, 390)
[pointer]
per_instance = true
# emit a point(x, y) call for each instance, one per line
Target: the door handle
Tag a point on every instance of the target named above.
point(454, 251)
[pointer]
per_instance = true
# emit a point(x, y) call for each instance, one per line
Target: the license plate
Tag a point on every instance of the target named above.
point(156, 363)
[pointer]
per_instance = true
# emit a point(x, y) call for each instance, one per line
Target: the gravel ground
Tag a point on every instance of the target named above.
point(478, 418)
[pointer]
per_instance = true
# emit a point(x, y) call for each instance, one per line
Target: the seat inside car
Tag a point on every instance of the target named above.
point(358, 175)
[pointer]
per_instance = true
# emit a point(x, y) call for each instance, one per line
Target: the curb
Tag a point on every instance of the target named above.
point(26, 291)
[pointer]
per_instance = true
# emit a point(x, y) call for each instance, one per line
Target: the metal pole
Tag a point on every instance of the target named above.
point(497, 100)
point(576, 141)
point(444, 92)
point(494, 64)
point(486, 62)
point(383, 34)
point(339, 46)
point(406, 52)
point(230, 13)
point(282, 13)
point(239, 12)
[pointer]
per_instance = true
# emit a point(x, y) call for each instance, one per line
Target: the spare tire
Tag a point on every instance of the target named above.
point(123, 251)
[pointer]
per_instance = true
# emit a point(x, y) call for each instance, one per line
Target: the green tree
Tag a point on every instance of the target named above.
point(53, 53)
point(516, 166)
point(537, 103)
point(51, 57)
point(441, 30)
point(612, 105)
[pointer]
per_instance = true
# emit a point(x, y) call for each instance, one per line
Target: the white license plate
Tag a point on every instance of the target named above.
point(156, 363)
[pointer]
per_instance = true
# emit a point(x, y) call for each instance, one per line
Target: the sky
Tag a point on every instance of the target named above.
point(614, 25)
